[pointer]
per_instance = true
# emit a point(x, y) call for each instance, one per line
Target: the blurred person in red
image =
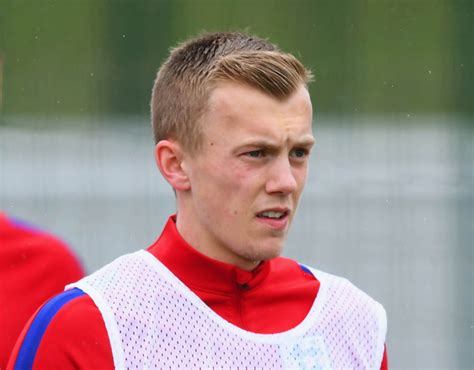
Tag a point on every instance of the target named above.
point(34, 266)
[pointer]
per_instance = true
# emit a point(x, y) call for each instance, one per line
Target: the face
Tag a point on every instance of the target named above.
point(246, 180)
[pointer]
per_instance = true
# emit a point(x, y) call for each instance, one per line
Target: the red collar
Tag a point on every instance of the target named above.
point(198, 271)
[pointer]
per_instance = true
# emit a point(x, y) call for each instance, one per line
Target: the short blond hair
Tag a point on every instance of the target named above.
point(186, 79)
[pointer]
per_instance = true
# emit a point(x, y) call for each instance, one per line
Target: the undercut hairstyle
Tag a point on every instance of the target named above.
point(194, 68)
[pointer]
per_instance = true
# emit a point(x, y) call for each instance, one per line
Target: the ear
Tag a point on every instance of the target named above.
point(169, 159)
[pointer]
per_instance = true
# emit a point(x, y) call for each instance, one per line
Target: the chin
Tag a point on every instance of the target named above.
point(267, 253)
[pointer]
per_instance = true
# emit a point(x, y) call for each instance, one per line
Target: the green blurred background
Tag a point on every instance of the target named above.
point(100, 57)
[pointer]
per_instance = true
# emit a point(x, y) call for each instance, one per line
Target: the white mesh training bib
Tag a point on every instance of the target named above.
point(154, 321)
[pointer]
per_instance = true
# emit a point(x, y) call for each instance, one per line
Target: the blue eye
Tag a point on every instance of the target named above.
point(299, 153)
point(255, 153)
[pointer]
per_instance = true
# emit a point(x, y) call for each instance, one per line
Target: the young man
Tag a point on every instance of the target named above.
point(232, 121)
point(34, 266)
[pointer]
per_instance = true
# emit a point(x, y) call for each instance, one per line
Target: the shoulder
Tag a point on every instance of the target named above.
point(336, 288)
point(65, 332)
point(26, 244)
point(286, 267)
point(287, 278)
point(353, 304)
point(35, 266)
point(340, 285)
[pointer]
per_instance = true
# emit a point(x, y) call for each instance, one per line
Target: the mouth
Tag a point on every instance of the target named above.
point(275, 218)
point(273, 214)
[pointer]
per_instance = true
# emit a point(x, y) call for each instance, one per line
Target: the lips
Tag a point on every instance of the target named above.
point(275, 218)
point(275, 213)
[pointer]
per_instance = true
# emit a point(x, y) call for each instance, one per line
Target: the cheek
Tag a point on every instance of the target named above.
point(300, 176)
point(240, 189)
point(221, 189)
point(227, 187)
point(241, 176)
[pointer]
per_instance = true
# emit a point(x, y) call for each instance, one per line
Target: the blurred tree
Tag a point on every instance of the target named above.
point(100, 57)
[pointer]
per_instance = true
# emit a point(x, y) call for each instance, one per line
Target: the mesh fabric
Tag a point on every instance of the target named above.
point(154, 321)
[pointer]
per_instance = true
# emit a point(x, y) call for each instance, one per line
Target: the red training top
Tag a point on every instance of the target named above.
point(34, 266)
point(274, 297)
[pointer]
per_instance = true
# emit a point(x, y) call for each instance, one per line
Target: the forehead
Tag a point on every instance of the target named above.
point(234, 107)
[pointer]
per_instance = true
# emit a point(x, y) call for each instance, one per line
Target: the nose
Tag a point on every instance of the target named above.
point(281, 178)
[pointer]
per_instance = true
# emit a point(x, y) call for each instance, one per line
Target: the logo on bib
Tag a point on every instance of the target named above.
point(306, 353)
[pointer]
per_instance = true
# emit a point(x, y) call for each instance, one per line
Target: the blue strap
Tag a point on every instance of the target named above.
point(32, 340)
point(306, 269)
point(22, 224)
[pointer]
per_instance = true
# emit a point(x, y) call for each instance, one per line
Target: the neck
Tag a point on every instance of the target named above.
point(206, 245)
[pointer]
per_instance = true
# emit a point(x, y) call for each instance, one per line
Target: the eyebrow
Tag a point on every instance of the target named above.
point(305, 141)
